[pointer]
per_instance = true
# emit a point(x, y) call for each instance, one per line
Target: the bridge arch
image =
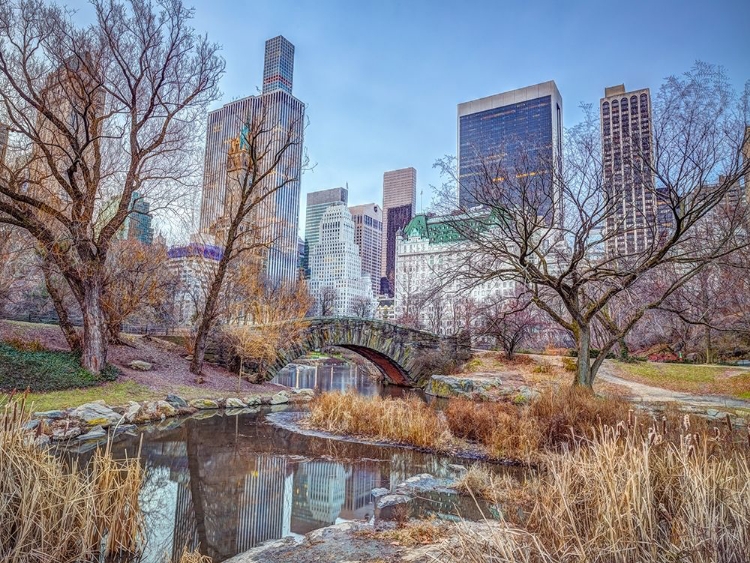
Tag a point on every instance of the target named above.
point(397, 351)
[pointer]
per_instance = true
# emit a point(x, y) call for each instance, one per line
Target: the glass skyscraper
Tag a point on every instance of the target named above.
point(282, 113)
point(505, 129)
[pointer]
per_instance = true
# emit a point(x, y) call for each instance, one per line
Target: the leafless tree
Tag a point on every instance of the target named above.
point(327, 301)
point(361, 307)
point(544, 226)
point(510, 321)
point(258, 167)
point(96, 114)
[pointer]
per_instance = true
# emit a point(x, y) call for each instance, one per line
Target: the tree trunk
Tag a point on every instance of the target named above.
point(709, 345)
point(94, 350)
point(67, 328)
point(584, 376)
point(624, 352)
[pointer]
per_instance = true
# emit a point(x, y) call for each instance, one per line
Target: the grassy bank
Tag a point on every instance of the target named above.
point(621, 498)
point(51, 512)
point(688, 378)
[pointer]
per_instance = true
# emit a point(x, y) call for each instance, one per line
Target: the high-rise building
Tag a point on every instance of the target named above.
point(507, 129)
point(626, 132)
point(317, 203)
point(3, 141)
point(368, 235)
point(282, 113)
point(336, 267)
point(399, 206)
point(139, 220)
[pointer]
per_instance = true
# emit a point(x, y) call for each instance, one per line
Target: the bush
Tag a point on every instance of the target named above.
point(46, 370)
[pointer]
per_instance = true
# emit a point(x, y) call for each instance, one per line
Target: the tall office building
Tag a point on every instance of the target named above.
point(282, 113)
point(317, 203)
point(368, 235)
point(139, 220)
point(399, 206)
point(523, 125)
point(335, 264)
point(628, 180)
point(3, 142)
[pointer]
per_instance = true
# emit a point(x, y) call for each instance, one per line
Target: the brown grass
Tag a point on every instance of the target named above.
point(24, 345)
point(406, 421)
point(50, 512)
point(193, 557)
point(411, 534)
point(623, 498)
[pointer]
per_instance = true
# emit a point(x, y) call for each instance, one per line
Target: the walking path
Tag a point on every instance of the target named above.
point(650, 394)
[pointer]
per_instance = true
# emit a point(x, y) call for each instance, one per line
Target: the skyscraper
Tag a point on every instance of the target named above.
point(317, 203)
point(368, 235)
point(139, 220)
point(3, 141)
point(628, 180)
point(281, 113)
point(399, 206)
point(502, 129)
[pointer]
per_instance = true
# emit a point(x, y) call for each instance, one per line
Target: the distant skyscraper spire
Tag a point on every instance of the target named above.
point(278, 67)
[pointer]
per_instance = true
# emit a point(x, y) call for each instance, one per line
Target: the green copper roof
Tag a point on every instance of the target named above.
point(444, 229)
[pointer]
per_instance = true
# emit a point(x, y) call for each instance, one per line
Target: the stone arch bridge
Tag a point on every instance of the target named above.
point(402, 354)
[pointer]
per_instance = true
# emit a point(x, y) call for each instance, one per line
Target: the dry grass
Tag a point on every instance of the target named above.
point(624, 499)
point(50, 512)
point(23, 345)
point(405, 421)
point(411, 534)
point(193, 557)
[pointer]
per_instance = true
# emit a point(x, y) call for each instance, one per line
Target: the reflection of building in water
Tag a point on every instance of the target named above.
point(319, 491)
point(265, 504)
point(185, 528)
point(327, 377)
point(364, 478)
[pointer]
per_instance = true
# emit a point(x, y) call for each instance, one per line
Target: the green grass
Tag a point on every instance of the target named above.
point(115, 393)
point(43, 370)
point(719, 380)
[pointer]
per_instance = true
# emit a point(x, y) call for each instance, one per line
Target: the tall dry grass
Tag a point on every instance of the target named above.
point(407, 421)
point(53, 513)
point(621, 498)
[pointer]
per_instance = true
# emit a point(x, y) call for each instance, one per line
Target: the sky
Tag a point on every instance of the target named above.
point(381, 79)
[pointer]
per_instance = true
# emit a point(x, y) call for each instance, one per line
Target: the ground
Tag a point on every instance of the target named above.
point(170, 372)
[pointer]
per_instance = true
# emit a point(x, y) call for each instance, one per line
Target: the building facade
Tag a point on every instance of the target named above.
point(139, 220)
point(399, 206)
point(516, 130)
point(281, 116)
point(368, 236)
point(194, 266)
point(336, 267)
point(432, 291)
point(317, 203)
point(627, 153)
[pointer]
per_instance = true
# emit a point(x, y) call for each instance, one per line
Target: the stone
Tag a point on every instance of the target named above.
point(379, 492)
point(140, 365)
point(163, 408)
point(96, 433)
point(280, 398)
point(131, 411)
point(252, 400)
point(124, 428)
point(393, 507)
point(42, 441)
point(177, 402)
point(96, 414)
point(446, 386)
point(422, 483)
point(526, 395)
point(307, 392)
point(65, 433)
point(31, 425)
point(234, 403)
point(50, 415)
point(714, 414)
point(204, 404)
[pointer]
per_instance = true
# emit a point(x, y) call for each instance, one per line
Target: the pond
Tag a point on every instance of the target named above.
point(229, 481)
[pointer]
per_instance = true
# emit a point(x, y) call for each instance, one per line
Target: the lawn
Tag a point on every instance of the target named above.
point(114, 393)
point(699, 379)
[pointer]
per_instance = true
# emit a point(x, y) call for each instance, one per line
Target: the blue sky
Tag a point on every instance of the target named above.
point(381, 79)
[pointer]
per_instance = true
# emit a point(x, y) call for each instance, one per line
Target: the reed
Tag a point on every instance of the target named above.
point(406, 421)
point(54, 512)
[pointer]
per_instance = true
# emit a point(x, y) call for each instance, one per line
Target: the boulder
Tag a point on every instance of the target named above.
point(123, 428)
point(422, 483)
point(525, 395)
point(177, 402)
point(447, 386)
point(50, 415)
point(252, 400)
point(204, 404)
point(393, 507)
point(379, 492)
point(96, 414)
point(96, 433)
point(140, 365)
point(65, 433)
point(305, 392)
point(280, 398)
point(131, 411)
point(234, 403)
point(31, 425)
point(165, 409)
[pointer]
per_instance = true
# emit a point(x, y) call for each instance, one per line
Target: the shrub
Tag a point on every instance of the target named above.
point(569, 364)
point(46, 370)
point(25, 345)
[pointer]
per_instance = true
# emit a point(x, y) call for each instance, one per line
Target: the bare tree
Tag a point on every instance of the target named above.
point(327, 301)
point(257, 169)
point(522, 233)
point(361, 307)
point(96, 113)
point(510, 321)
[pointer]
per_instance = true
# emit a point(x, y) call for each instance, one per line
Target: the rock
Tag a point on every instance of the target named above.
point(526, 395)
point(96, 433)
point(163, 408)
point(204, 414)
point(307, 392)
point(714, 414)
point(252, 400)
point(447, 386)
point(234, 403)
point(177, 402)
point(204, 404)
point(379, 492)
point(65, 433)
point(280, 398)
point(50, 415)
point(393, 507)
point(124, 428)
point(41, 441)
point(31, 425)
point(422, 483)
point(96, 414)
point(140, 365)
point(131, 411)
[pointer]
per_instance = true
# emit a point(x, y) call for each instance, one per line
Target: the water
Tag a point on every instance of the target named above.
point(230, 482)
